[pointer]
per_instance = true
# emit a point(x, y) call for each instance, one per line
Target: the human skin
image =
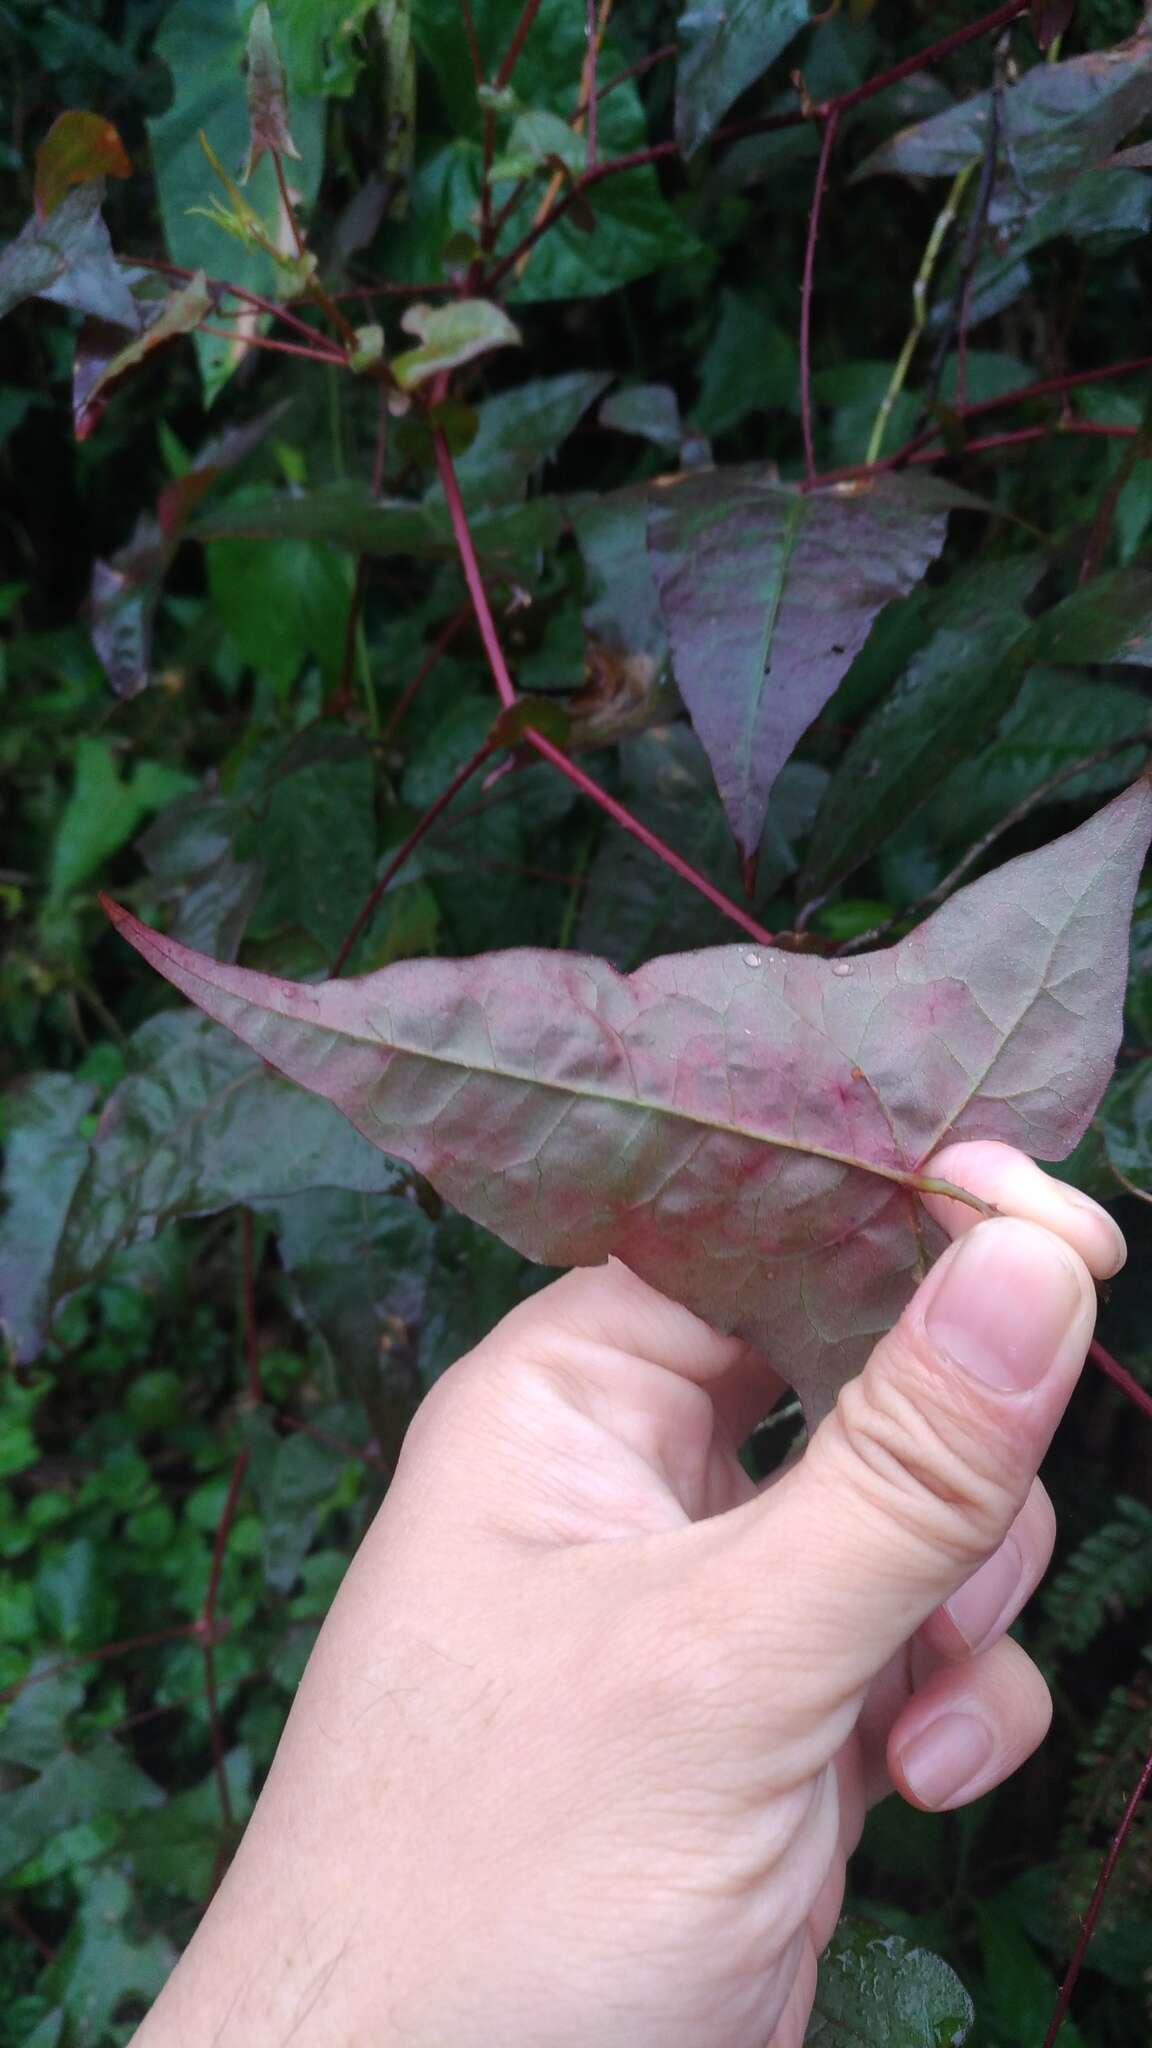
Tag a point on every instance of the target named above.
point(589, 1734)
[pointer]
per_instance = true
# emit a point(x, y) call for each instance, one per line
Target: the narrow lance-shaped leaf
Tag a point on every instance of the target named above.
point(267, 95)
point(1059, 120)
point(768, 594)
point(179, 314)
point(745, 1128)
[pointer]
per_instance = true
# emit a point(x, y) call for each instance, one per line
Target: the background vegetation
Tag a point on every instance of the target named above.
point(243, 669)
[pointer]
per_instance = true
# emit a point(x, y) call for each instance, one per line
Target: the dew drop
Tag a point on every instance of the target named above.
point(841, 967)
point(751, 959)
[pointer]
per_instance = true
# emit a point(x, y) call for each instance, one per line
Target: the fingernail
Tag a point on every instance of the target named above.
point(988, 1595)
point(945, 1758)
point(1005, 1303)
point(1113, 1249)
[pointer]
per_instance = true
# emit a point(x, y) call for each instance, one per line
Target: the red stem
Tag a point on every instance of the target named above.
point(248, 1295)
point(122, 1648)
point(280, 348)
point(826, 142)
point(1120, 1377)
point(439, 647)
point(406, 849)
point(473, 45)
point(1104, 1879)
point(506, 691)
point(987, 25)
point(588, 93)
point(205, 1633)
point(638, 69)
point(219, 287)
point(511, 57)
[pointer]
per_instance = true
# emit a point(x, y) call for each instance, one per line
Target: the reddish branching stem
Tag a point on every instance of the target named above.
point(828, 112)
point(433, 655)
point(123, 1647)
point(248, 1308)
point(506, 691)
point(273, 347)
point(516, 42)
point(827, 142)
point(205, 1633)
point(405, 850)
point(1091, 1917)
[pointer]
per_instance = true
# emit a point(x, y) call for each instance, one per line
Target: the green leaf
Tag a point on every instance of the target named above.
point(294, 1479)
point(281, 602)
point(650, 410)
point(450, 335)
point(1057, 719)
point(78, 149)
point(622, 604)
point(72, 1787)
point(202, 43)
point(1115, 206)
point(358, 1270)
point(538, 138)
point(951, 697)
point(190, 852)
point(635, 229)
point(1109, 619)
point(508, 537)
point(518, 431)
point(876, 1991)
point(45, 1156)
point(103, 811)
point(748, 367)
point(312, 829)
point(1125, 1124)
point(104, 1961)
point(198, 1126)
point(68, 259)
point(1021, 1990)
point(725, 46)
point(768, 594)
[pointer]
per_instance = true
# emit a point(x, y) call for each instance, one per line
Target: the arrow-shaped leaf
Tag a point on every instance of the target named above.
point(768, 594)
point(746, 1128)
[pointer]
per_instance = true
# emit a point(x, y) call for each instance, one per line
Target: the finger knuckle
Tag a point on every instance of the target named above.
point(926, 1452)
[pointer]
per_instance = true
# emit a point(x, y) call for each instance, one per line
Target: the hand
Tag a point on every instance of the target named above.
point(590, 1731)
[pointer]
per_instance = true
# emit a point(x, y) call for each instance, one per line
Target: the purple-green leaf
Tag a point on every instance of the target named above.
point(267, 96)
point(746, 1128)
point(1059, 120)
point(768, 594)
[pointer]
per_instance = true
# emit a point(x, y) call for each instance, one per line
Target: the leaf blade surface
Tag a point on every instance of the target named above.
point(742, 1127)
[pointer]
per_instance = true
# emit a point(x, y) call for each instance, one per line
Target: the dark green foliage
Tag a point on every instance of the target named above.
point(241, 667)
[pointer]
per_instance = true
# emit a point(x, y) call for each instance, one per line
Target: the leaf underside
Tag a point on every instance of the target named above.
point(744, 1127)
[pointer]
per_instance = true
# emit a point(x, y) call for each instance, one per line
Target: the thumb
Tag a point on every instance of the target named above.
point(915, 1478)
